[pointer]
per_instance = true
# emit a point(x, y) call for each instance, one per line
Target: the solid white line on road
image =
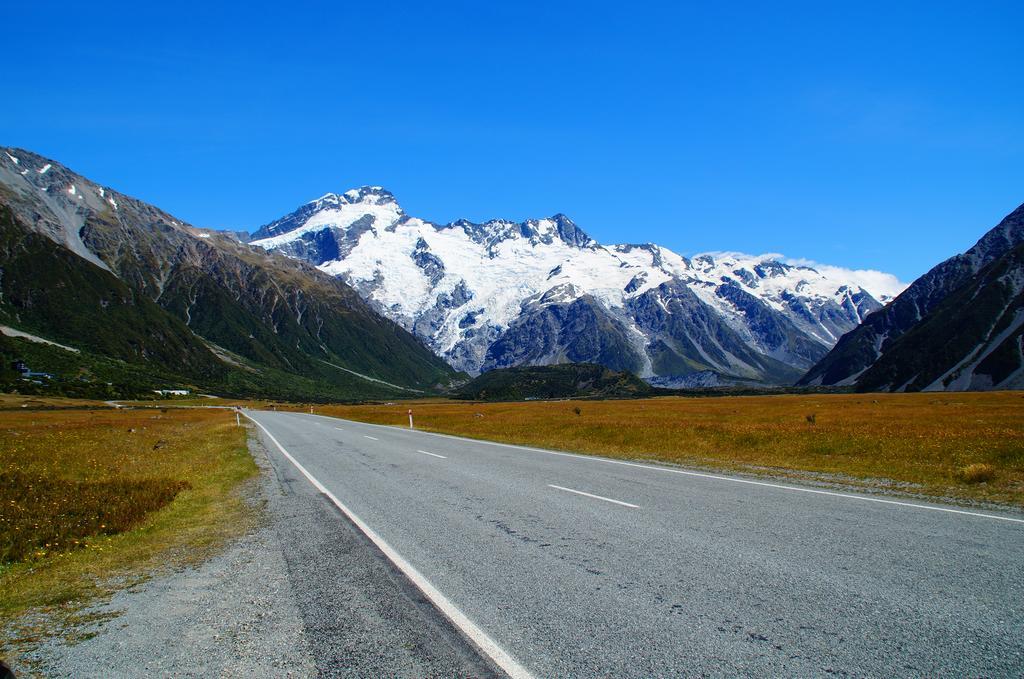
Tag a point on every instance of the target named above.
point(370, 437)
point(434, 454)
point(485, 643)
point(717, 477)
point(596, 497)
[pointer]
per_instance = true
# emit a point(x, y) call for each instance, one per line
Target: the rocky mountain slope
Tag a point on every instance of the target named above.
point(503, 294)
point(88, 266)
point(957, 327)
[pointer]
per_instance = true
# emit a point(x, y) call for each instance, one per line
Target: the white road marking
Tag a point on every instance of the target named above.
point(716, 477)
point(485, 643)
point(370, 437)
point(434, 454)
point(596, 497)
point(339, 429)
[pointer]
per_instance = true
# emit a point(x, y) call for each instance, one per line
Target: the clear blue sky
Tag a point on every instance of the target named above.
point(876, 135)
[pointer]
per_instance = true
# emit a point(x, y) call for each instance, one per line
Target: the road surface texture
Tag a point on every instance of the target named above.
point(566, 565)
point(303, 595)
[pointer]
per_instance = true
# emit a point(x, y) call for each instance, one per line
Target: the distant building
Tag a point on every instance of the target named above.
point(171, 392)
point(27, 374)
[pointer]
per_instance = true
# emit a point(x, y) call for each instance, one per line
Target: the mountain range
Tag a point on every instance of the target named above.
point(146, 299)
point(501, 293)
point(348, 297)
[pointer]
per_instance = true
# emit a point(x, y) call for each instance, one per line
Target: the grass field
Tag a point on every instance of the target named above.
point(966, 446)
point(20, 402)
point(94, 499)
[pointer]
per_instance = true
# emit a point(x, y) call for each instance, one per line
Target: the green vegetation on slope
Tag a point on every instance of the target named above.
point(48, 290)
point(567, 380)
point(88, 375)
point(129, 345)
point(194, 306)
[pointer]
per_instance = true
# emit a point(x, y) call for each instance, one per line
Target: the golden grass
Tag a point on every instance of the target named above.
point(183, 401)
point(20, 402)
point(917, 443)
point(978, 472)
point(41, 516)
point(200, 452)
point(215, 401)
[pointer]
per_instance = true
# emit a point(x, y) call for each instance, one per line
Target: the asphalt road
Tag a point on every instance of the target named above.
point(581, 566)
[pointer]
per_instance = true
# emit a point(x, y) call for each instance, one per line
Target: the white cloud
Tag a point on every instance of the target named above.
point(875, 282)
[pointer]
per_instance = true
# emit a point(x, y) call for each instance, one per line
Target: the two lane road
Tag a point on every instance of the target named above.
point(581, 566)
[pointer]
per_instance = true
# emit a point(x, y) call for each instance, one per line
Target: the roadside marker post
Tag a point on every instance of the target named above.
point(238, 420)
point(410, 418)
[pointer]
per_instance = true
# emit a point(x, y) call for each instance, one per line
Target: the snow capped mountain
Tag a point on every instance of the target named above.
point(503, 293)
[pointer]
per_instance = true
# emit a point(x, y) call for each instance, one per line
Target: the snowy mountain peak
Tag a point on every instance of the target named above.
point(364, 195)
point(361, 208)
point(500, 293)
point(374, 195)
point(570, 233)
point(537, 232)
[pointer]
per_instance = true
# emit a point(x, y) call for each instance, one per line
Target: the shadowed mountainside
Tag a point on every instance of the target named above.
point(92, 268)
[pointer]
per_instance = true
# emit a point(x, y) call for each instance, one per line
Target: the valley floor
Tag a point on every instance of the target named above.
point(964, 447)
point(269, 577)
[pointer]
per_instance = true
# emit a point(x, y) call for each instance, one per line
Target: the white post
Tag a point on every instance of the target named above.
point(310, 410)
point(410, 418)
point(238, 420)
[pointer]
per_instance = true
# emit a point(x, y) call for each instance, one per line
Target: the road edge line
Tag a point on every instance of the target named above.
point(476, 635)
point(705, 475)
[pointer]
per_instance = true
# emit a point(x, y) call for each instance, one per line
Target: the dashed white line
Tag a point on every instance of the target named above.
point(483, 641)
point(370, 437)
point(339, 429)
point(719, 477)
point(596, 497)
point(432, 454)
point(716, 477)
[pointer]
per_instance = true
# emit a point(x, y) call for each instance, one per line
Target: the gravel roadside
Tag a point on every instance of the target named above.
point(306, 594)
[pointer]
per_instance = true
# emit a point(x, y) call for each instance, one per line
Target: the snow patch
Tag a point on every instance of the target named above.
point(12, 332)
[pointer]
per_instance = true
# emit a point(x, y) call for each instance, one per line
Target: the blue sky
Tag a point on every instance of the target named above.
point(872, 135)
